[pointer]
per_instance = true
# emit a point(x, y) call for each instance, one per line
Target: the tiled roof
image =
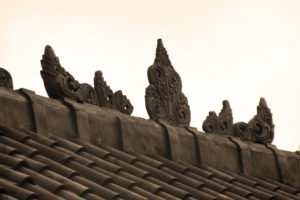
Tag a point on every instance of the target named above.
point(34, 166)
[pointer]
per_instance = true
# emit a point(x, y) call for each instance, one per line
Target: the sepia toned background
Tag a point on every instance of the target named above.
point(234, 50)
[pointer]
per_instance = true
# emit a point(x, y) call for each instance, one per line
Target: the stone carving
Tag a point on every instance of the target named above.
point(164, 99)
point(219, 124)
point(59, 84)
point(261, 125)
point(107, 98)
point(5, 79)
point(259, 129)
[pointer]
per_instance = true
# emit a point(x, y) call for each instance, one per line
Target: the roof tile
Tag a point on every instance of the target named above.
point(55, 166)
point(50, 152)
point(73, 169)
point(7, 149)
point(16, 191)
point(168, 178)
point(4, 196)
point(44, 181)
point(89, 173)
point(76, 148)
point(149, 186)
point(42, 193)
point(10, 161)
point(170, 188)
point(97, 189)
point(15, 176)
point(25, 149)
point(93, 149)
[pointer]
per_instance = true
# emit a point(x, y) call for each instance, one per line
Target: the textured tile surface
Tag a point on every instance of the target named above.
point(33, 166)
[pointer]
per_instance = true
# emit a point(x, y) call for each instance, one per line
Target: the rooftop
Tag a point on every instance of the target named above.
point(82, 143)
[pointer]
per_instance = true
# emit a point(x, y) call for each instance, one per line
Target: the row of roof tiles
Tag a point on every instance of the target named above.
point(34, 166)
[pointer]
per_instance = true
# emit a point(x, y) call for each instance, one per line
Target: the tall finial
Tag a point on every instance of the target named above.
point(164, 99)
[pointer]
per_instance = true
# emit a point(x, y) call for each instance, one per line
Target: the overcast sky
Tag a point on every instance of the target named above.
point(234, 50)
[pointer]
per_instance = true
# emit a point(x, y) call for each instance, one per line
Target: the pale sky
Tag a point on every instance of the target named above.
point(235, 50)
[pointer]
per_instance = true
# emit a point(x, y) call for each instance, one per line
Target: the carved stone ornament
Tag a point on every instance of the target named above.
point(164, 99)
point(107, 98)
point(261, 125)
point(59, 84)
point(5, 79)
point(259, 129)
point(221, 124)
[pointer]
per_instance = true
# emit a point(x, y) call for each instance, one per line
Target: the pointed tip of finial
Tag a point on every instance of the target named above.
point(159, 41)
point(263, 103)
point(226, 103)
point(161, 54)
point(98, 73)
point(160, 45)
point(49, 51)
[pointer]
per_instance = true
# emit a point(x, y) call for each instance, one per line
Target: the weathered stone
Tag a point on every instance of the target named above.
point(107, 98)
point(5, 79)
point(110, 127)
point(259, 129)
point(60, 84)
point(164, 99)
point(221, 124)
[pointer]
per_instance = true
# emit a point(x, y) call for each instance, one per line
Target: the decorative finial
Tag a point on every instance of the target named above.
point(5, 79)
point(59, 84)
point(261, 125)
point(164, 99)
point(259, 129)
point(107, 98)
point(219, 124)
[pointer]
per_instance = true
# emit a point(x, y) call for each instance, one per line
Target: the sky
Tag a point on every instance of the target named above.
point(222, 49)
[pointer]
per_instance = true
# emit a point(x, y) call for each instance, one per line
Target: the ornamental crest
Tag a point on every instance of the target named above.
point(164, 99)
point(59, 84)
point(259, 129)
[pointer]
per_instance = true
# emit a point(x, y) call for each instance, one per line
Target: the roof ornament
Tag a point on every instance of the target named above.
point(259, 129)
point(107, 98)
point(5, 79)
point(59, 84)
point(164, 99)
point(219, 124)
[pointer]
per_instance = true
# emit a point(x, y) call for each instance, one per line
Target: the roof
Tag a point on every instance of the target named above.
point(38, 167)
point(82, 143)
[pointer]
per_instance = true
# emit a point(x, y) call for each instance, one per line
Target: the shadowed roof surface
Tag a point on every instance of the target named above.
point(39, 167)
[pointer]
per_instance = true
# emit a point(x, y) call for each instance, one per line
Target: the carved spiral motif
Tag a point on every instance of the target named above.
point(153, 104)
point(164, 99)
point(70, 87)
point(122, 103)
point(182, 111)
point(89, 94)
point(261, 131)
point(174, 85)
point(241, 130)
point(104, 93)
point(210, 124)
